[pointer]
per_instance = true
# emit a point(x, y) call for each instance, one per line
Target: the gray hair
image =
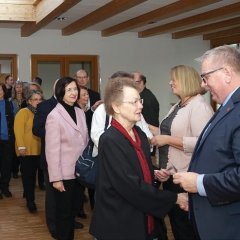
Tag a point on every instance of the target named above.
point(223, 55)
point(32, 92)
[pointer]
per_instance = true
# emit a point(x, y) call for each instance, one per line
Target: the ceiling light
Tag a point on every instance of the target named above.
point(152, 22)
point(61, 18)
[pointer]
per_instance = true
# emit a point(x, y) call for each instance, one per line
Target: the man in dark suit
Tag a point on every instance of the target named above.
point(213, 180)
point(82, 78)
point(151, 106)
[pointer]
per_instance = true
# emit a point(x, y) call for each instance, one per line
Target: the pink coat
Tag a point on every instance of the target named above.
point(65, 141)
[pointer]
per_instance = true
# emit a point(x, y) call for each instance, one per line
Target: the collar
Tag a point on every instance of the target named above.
point(229, 96)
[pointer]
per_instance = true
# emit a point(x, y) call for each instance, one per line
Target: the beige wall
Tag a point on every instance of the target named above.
point(153, 56)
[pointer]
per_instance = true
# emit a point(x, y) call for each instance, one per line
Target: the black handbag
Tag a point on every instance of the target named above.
point(86, 167)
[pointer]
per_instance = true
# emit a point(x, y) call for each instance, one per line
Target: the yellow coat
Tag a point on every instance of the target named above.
point(23, 133)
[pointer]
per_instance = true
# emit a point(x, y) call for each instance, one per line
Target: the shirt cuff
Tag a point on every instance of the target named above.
point(21, 148)
point(200, 187)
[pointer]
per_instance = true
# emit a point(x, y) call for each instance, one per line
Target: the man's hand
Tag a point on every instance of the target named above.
point(187, 180)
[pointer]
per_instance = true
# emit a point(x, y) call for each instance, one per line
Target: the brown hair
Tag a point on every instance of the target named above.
point(114, 91)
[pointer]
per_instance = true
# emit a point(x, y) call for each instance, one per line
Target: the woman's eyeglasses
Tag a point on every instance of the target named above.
point(134, 102)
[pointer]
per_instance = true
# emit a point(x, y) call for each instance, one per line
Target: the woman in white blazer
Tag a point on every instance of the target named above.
point(66, 138)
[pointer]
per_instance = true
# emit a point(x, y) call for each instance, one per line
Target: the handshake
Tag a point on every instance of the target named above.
point(187, 180)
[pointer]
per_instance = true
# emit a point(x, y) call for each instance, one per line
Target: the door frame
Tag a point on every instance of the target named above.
point(65, 61)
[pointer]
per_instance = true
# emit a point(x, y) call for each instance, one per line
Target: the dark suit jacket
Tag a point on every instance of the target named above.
point(39, 122)
point(94, 97)
point(217, 154)
point(122, 197)
point(151, 107)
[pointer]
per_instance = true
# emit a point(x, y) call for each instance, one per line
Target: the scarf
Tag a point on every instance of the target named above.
point(142, 161)
point(31, 108)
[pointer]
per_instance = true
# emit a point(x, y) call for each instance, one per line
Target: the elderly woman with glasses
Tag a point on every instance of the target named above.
point(127, 206)
point(179, 132)
point(28, 147)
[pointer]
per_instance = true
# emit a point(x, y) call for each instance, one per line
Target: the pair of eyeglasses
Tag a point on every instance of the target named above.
point(204, 75)
point(36, 99)
point(134, 102)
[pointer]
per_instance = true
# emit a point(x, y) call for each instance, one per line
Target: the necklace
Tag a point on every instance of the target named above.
point(183, 104)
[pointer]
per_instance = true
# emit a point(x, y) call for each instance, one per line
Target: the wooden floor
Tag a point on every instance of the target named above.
point(17, 223)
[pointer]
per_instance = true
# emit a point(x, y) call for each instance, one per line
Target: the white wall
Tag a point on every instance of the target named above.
point(153, 56)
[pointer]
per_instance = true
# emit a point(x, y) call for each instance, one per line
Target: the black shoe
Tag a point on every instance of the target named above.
point(54, 235)
point(7, 193)
point(1, 196)
point(78, 225)
point(32, 207)
point(82, 214)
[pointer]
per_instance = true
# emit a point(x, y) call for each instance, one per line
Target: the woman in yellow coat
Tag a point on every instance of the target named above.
point(28, 147)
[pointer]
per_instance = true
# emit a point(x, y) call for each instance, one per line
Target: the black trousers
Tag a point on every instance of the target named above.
point(91, 194)
point(40, 177)
point(29, 166)
point(6, 156)
point(50, 205)
point(79, 198)
point(182, 228)
point(15, 164)
point(65, 210)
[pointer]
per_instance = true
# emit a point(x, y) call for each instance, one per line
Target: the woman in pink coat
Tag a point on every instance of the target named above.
point(66, 138)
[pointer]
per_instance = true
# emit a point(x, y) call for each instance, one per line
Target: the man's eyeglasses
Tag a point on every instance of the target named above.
point(80, 77)
point(134, 102)
point(204, 75)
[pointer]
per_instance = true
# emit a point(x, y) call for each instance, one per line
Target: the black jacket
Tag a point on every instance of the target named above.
point(123, 198)
point(39, 121)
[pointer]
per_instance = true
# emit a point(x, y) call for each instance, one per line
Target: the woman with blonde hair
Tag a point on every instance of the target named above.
point(177, 135)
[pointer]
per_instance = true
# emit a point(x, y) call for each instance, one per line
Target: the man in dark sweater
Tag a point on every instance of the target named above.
point(9, 85)
point(150, 110)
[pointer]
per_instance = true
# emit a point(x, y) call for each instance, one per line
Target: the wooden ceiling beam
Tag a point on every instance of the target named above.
point(206, 28)
point(46, 12)
point(224, 33)
point(110, 9)
point(225, 40)
point(227, 11)
point(167, 11)
point(24, 2)
point(17, 13)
